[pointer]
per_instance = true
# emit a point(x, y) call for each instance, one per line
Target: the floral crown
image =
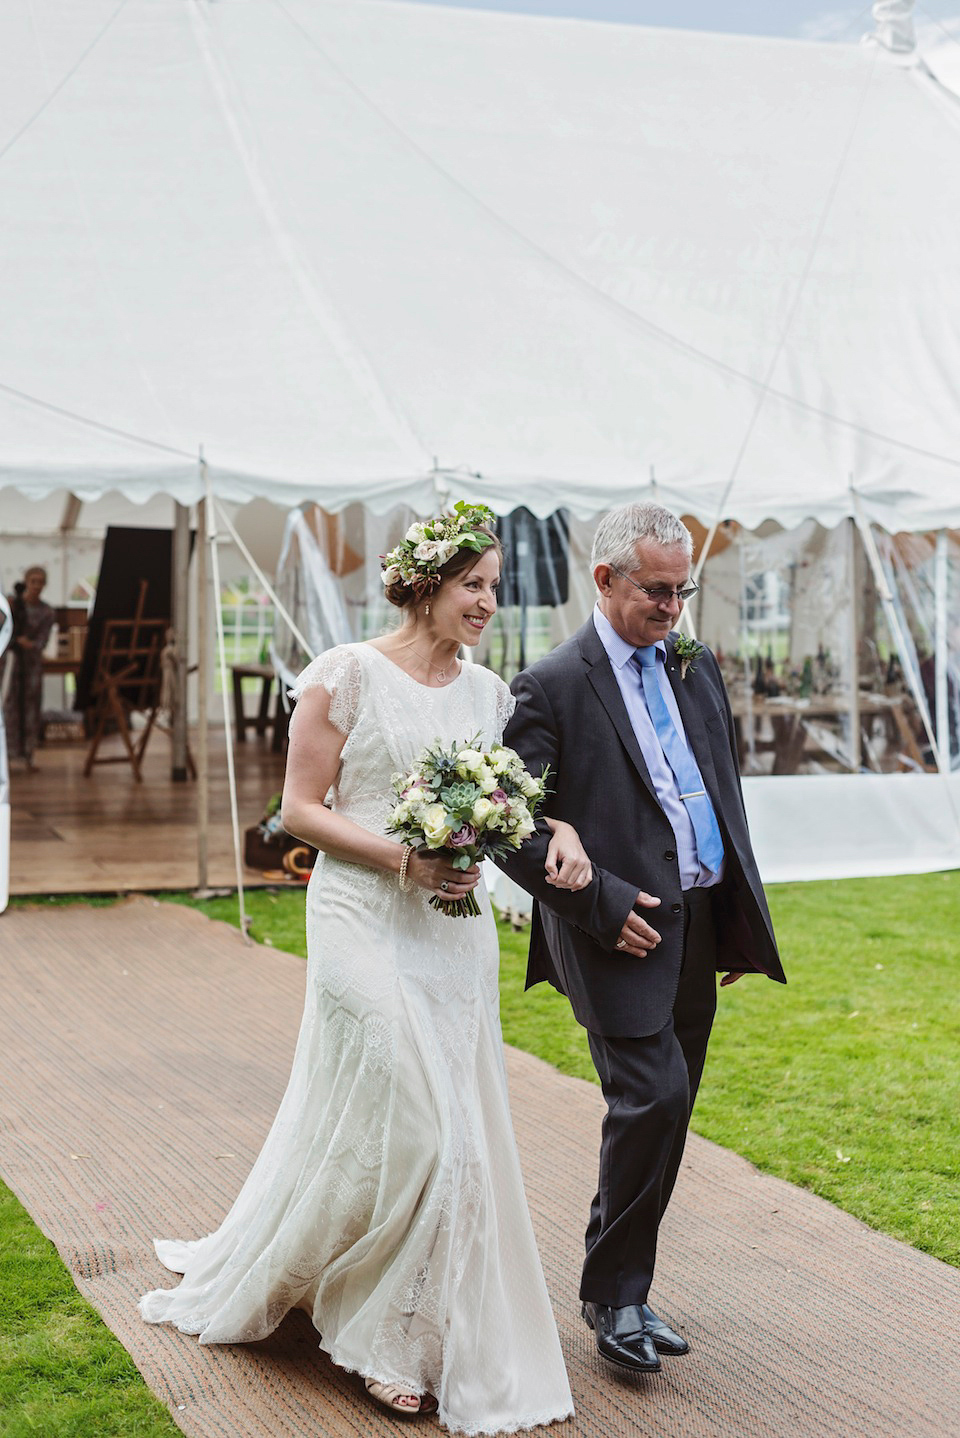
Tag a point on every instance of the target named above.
point(429, 544)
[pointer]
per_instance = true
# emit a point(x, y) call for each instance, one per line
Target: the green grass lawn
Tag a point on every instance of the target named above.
point(846, 1082)
point(62, 1372)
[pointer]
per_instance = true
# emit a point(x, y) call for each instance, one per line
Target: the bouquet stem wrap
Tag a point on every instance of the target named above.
point(465, 908)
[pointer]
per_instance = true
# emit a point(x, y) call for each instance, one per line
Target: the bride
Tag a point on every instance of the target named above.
point(387, 1199)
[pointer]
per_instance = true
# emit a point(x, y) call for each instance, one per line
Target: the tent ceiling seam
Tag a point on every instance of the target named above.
point(94, 423)
point(826, 208)
point(113, 310)
point(65, 81)
point(229, 97)
point(649, 327)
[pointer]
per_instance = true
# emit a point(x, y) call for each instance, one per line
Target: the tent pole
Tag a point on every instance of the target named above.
point(181, 584)
point(68, 523)
point(941, 651)
point(203, 679)
point(441, 485)
point(225, 694)
point(856, 753)
point(749, 718)
point(686, 622)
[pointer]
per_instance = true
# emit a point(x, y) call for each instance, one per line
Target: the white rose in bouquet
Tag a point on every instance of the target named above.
point(530, 788)
point(436, 830)
point(483, 810)
point(470, 763)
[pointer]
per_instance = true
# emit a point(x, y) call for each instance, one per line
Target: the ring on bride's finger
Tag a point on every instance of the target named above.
point(445, 886)
point(621, 943)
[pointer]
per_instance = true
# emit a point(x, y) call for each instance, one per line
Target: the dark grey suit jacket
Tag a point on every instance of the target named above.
point(570, 716)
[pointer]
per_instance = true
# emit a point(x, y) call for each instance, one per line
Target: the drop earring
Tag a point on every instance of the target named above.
point(426, 609)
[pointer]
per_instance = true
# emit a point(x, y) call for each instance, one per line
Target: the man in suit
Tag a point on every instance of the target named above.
point(642, 759)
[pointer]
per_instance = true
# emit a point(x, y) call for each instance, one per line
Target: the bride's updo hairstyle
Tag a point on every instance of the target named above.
point(436, 550)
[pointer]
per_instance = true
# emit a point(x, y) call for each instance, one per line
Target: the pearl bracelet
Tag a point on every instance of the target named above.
point(405, 884)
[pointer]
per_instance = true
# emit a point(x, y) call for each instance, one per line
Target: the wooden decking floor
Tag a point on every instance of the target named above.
point(143, 1050)
point(107, 833)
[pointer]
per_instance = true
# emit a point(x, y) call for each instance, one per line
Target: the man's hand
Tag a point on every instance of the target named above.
point(730, 979)
point(636, 936)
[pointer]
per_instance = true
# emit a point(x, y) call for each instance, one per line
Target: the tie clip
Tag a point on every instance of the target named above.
point(697, 794)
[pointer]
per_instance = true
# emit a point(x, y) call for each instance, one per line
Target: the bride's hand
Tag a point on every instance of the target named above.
point(435, 873)
point(568, 865)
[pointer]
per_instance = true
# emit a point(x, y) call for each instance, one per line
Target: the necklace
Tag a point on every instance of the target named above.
point(441, 674)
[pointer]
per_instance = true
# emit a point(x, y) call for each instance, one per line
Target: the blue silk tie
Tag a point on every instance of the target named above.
point(689, 781)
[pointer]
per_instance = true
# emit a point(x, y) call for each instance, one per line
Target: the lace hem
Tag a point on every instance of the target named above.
point(541, 1419)
point(523, 1425)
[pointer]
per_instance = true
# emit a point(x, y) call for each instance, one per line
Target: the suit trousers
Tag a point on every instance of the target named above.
point(650, 1085)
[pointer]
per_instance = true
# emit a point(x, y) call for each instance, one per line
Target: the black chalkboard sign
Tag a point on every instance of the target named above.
point(130, 557)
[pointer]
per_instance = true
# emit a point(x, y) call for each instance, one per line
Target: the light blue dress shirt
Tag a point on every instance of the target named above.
point(693, 874)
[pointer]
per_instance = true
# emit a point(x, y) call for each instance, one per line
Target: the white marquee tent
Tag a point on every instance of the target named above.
point(362, 249)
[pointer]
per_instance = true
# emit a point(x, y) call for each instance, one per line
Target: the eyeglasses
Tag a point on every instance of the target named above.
point(660, 593)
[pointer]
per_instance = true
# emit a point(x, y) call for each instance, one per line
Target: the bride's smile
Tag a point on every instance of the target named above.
point(456, 613)
point(462, 607)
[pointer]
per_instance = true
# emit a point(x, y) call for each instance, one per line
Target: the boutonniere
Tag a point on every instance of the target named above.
point(688, 651)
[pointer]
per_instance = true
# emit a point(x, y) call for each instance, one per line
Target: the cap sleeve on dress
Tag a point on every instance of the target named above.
point(505, 705)
point(338, 671)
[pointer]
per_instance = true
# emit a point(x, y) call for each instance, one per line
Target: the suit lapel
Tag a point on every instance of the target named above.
point(601, 676)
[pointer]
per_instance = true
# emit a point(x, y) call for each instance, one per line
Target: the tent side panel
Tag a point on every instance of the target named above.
point(852, 826)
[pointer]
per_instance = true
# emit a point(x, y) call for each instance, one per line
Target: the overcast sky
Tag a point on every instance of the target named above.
point(803, 19)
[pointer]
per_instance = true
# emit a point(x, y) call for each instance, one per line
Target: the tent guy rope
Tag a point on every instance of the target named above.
point(63, 82)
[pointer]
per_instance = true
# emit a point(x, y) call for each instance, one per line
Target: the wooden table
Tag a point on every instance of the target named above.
point(790, 719)
point(266, 675)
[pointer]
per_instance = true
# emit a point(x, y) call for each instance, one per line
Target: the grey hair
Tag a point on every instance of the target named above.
point(619, 532)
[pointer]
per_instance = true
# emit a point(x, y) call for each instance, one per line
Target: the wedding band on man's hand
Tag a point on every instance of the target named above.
point(621, 943)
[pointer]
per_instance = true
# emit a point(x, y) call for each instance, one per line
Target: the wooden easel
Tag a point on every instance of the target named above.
point(128, 678)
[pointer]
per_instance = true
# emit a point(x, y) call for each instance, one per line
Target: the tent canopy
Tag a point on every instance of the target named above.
point(370, 250)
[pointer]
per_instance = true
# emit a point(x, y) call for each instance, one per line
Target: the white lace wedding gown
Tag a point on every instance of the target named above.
point(387, 1199)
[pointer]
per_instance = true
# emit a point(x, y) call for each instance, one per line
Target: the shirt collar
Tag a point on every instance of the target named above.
point(619, 652)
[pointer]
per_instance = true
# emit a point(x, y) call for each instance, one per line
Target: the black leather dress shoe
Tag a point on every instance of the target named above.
point(622, 1336)
point(665, 1339)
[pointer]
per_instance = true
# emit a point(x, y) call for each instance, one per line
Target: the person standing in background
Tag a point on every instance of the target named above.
point(32, 622)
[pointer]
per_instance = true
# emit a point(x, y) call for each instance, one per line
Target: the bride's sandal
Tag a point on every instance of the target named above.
point(388, 1395)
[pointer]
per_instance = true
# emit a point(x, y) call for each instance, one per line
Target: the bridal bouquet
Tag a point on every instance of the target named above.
point(470, 802)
